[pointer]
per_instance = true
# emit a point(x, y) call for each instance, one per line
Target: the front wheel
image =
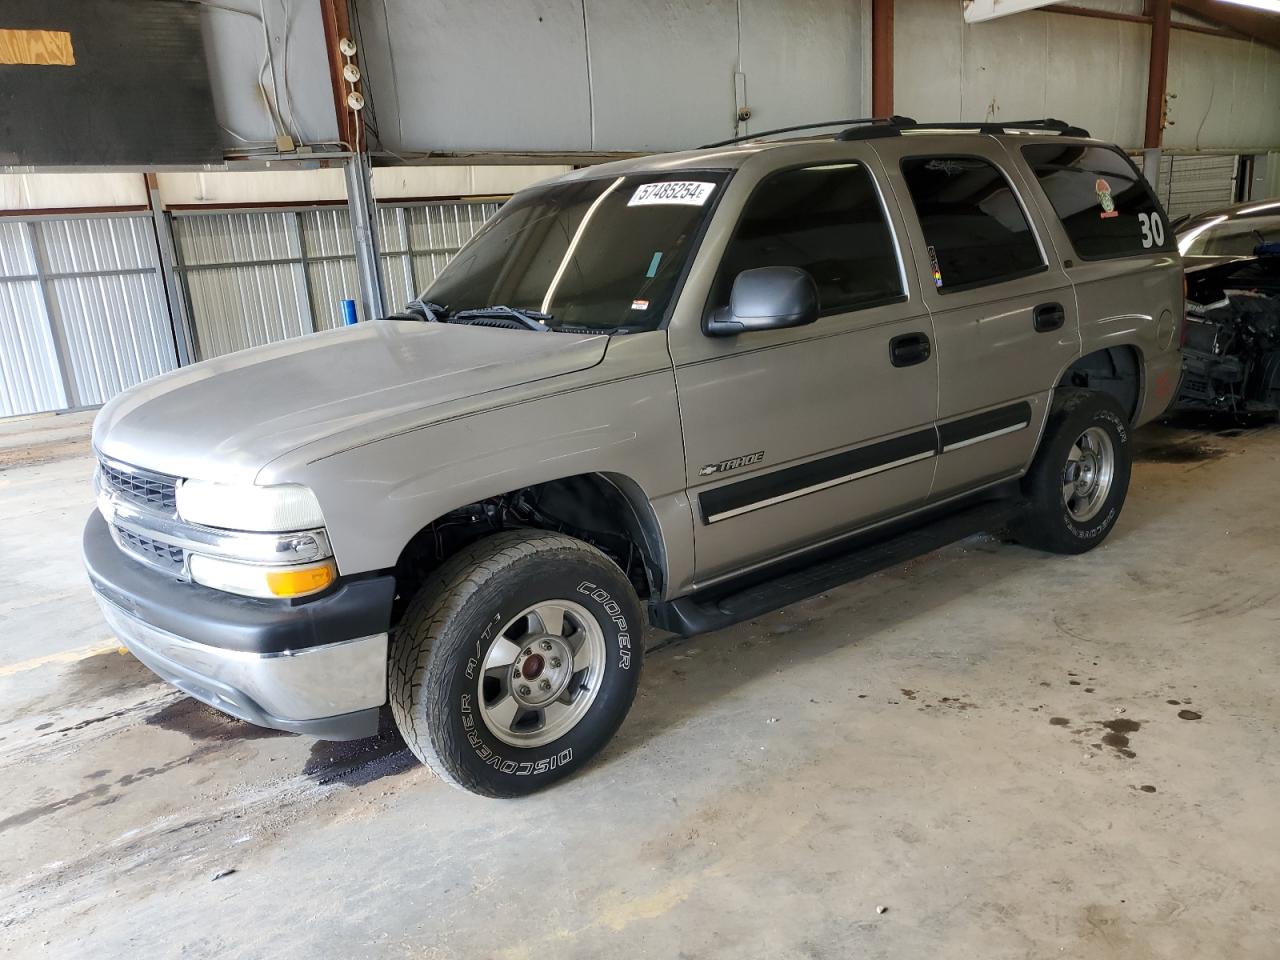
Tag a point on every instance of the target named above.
point(516, 662)
point(1078, 480)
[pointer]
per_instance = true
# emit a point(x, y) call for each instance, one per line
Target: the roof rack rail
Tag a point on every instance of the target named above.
point(894, 126)
point(849, 124)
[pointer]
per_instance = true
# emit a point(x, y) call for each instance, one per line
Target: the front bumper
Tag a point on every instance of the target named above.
point(317, 667)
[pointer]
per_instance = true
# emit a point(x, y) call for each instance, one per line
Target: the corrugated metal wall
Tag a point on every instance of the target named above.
point(244, 278)
point(82, 310)
point(1190, 185)
point(29, 373)
point(256, 276)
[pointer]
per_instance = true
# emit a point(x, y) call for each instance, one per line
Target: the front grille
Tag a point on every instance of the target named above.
point(154, 491)
point(151, 552)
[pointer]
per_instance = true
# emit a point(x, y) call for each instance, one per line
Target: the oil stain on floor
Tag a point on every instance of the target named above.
point(200, 722)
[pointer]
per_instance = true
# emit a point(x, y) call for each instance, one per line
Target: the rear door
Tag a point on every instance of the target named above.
point(1004, 312)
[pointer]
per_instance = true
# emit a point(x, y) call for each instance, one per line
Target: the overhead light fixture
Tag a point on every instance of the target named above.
point(1271, 6)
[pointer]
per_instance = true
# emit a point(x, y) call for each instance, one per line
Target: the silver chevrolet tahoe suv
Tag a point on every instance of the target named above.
point(683, 389)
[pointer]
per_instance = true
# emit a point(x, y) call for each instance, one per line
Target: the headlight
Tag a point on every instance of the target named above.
point(260, 580)
point(277, 509)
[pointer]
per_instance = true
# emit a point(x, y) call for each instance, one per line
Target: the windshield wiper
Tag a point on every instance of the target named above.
point(421, 310)
point(504, 316)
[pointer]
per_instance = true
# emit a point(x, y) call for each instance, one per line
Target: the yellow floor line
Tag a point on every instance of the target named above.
point(67, 656)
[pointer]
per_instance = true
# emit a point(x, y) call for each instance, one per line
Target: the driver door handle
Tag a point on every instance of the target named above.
point(909, 349)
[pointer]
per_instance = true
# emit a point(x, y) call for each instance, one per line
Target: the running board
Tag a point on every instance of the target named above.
point(779, 585)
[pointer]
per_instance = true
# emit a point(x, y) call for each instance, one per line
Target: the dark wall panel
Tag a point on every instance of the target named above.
point(137, 92)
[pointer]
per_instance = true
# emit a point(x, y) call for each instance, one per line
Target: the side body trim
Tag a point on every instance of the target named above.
point(790, 483)
point(983, 426)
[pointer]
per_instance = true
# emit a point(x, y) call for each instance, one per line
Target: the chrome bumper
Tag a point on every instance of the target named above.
point(332, 691)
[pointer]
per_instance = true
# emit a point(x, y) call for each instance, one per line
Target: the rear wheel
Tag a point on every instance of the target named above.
point(1080, 476)
point(516, 662)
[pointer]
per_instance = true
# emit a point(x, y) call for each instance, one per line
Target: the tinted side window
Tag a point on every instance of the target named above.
point(1102, 200)
point(973, 224)
point(826, 220)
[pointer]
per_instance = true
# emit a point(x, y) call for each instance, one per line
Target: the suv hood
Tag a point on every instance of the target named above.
point(225, 419)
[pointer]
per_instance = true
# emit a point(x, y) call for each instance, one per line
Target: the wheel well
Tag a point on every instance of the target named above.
point(1113, 370)
point(601, 510)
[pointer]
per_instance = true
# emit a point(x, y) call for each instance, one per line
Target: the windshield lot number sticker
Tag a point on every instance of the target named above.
point(1152, 229)
point(689, 193)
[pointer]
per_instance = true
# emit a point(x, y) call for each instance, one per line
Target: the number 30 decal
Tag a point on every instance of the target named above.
point(1152, 229)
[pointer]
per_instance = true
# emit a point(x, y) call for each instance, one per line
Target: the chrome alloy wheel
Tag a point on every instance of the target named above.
point(1087, 477)
point(541, 673)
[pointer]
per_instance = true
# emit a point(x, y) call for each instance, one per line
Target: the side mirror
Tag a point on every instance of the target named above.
point(766, 298)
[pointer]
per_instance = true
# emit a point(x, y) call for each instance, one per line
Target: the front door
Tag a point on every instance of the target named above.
point(794, 436)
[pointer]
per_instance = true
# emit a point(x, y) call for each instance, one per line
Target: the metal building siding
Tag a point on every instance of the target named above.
point(245, 305)
point(255, 277)
point(330, 282)
point(398, 283)
point(94, 244)
point(438, 231)
point(243, 276)
point(1190, 185)
point(17, 259)
point(330, 263)
point(117, 332)
point(114, 319)
point(218, 238)
point(29, 377)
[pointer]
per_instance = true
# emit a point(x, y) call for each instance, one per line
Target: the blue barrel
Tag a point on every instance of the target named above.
point(348, 313)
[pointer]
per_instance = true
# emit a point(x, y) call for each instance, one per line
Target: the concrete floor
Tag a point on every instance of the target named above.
point(988, 742)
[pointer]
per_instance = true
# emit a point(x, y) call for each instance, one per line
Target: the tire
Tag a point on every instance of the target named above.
point(1086, 434)
point(507, 729)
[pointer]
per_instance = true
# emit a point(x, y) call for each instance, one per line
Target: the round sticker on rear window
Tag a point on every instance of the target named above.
point(690, 193)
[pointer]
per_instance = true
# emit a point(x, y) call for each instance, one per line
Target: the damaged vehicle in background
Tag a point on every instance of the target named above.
point(1231, 334)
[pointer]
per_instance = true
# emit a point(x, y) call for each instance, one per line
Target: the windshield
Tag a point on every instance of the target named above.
point(600, 255)
point(1223, 237)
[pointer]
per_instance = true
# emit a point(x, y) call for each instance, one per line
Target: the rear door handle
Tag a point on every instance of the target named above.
point(909, 349)
point(1048, 316)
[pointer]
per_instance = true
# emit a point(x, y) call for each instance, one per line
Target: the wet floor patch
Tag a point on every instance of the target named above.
point(357, 762)
point(107, 674)
point(1118, 734)
point(201, 722)
point(103, 791)
point(1177, 451)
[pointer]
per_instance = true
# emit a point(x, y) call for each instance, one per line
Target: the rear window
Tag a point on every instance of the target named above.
point(1104, 203)
point(975, 228)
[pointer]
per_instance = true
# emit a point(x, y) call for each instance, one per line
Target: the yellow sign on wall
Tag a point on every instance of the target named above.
point(42, 48)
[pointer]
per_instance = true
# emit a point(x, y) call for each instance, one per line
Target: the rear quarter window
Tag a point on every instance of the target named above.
point(1104, 203)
